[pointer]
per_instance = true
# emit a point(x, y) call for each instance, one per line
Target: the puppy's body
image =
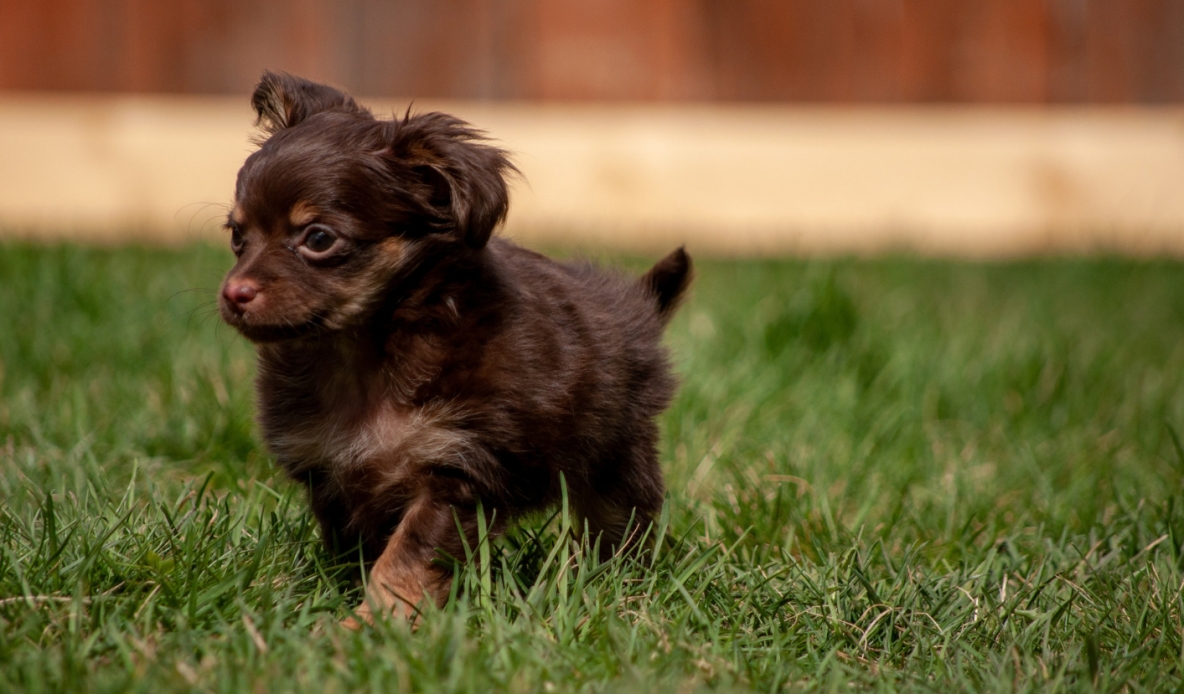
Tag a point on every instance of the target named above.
point(488, 386)
point(409, 367)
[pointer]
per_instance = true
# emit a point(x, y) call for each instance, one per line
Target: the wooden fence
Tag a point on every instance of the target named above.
point(1012, 51)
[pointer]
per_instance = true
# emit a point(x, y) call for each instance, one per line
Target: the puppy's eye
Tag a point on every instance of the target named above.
point(319, 239)
point(236, 239)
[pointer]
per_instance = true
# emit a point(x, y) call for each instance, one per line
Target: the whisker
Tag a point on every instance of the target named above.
point(201, 313)
point(203, 308)
point(201, 207)
point(193, 290)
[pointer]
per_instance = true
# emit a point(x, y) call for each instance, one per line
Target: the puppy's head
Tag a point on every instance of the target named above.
point(337, 205)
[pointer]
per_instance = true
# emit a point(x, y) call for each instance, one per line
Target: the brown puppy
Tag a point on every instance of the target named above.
point(410, 366)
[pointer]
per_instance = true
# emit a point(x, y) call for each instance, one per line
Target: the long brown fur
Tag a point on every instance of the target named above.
point(410, 365)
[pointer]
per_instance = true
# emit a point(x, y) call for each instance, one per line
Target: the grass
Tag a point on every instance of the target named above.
point(887, 475)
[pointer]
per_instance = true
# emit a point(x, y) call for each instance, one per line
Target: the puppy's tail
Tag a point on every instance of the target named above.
point(668, 280)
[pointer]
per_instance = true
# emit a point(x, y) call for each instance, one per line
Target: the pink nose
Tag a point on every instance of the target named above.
point(240, 293)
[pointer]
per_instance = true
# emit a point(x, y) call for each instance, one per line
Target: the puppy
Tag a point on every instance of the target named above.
point(410, 366)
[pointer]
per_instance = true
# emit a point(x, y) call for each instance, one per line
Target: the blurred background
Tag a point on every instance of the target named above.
point(966, 127)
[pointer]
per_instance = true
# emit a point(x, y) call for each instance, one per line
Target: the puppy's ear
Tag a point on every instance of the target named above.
point(462, 178)
point(282, 100)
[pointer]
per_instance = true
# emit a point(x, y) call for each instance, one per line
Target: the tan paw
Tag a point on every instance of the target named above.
point(362, 616)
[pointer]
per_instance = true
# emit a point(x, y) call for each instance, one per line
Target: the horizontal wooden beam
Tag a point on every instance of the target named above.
point(724, 179)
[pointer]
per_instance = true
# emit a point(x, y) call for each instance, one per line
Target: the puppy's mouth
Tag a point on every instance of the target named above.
point(260, 331)
point(278, 333)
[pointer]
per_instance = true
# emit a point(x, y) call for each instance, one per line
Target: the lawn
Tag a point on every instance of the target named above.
point(891, 474)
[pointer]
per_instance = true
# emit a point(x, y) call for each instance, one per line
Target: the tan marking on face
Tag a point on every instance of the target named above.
point(302, 213)
point(368, 289)
point(238, 216)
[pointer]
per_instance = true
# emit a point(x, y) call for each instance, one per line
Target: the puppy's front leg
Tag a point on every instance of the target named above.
point(405, 576)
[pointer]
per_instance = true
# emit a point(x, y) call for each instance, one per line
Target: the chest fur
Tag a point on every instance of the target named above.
point(350, 422)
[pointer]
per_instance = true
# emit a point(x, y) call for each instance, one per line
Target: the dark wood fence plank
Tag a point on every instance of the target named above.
point(1023, 51)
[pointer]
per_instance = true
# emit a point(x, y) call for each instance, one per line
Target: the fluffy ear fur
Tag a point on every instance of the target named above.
point(463, 178)
point(282, 101)
point(668, 280)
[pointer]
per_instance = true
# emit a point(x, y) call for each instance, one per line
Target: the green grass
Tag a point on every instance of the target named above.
point(892, 475)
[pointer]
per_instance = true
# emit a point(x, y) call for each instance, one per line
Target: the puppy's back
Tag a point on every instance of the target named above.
point(595, 334)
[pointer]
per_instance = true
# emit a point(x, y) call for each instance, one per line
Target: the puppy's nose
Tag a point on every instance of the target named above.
point(240, 293)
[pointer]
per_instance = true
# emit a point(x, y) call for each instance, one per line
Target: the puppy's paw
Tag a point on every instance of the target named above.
point(361, 617)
